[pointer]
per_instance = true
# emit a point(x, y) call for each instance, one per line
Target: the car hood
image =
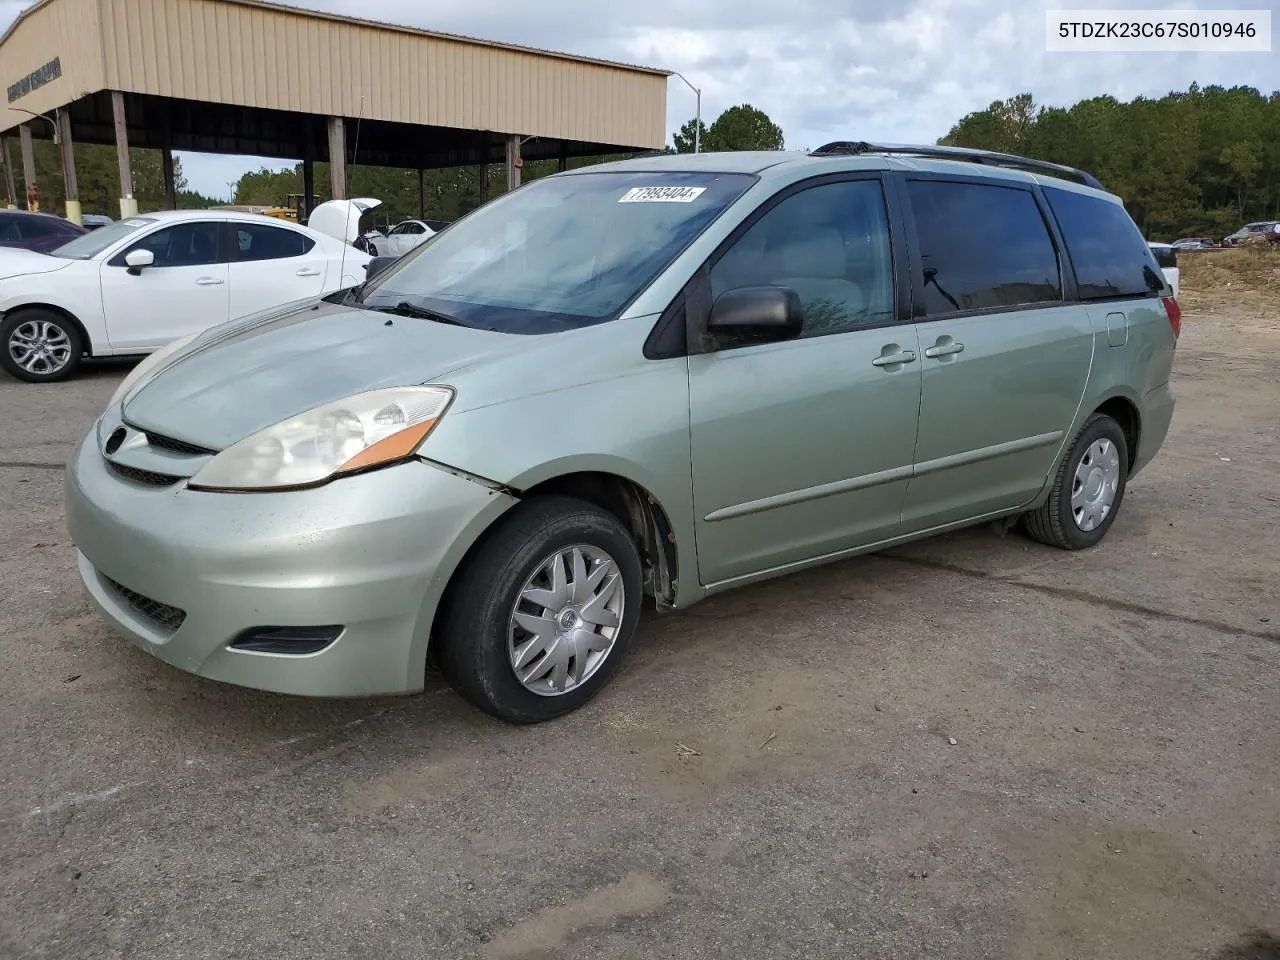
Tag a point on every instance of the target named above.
point(16, 262)
point(238, 379)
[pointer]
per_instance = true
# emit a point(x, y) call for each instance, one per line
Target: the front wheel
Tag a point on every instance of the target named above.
point(540, 617)
point(39, 345)
point(1087, 491)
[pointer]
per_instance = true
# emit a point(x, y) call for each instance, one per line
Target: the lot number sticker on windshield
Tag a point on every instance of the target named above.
point(662, 194)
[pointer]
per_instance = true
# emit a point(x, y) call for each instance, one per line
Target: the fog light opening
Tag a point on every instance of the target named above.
point(293, 641)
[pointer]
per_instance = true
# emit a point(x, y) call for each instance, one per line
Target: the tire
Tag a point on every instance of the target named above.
point(53, 332)
point(477, 635)
point(1101, 453)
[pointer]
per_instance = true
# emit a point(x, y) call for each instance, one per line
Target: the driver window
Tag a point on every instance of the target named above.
point(830, 244)
point(184, 245)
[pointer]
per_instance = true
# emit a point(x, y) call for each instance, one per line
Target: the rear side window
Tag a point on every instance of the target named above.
point(982, 246)
point(1110, 256)
point(254, 242)
point(1166, 257)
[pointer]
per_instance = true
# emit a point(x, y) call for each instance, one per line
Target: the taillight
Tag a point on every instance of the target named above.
point(1174, 312)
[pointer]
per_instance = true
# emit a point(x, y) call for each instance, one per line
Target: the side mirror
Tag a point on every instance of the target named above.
point(135, 260)
point(770, 313)
point(376, 266)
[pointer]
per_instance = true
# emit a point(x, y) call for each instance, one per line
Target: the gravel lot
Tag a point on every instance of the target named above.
point(771, 775)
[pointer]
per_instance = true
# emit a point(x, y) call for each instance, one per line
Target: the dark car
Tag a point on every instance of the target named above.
point(1257, 232)
point(41, 232)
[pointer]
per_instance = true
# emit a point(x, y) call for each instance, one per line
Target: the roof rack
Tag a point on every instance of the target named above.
point(965, 154)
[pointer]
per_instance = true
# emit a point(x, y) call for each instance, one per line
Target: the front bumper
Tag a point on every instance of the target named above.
point(182, 573)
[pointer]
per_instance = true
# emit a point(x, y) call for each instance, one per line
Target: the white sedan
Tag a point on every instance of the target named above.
point(401, 238)
point(135, 285)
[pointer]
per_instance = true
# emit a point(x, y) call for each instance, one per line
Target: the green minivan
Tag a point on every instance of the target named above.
point(662, 378)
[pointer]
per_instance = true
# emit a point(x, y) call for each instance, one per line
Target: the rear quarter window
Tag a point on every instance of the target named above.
point(1110, 256)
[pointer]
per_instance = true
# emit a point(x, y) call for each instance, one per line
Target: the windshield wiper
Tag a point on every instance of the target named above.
point(406, 309)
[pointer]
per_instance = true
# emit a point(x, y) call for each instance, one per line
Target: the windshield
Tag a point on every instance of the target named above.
point(89, 245)
point(559, 253)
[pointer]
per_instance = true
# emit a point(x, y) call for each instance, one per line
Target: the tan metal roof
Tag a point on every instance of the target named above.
point(261, 54)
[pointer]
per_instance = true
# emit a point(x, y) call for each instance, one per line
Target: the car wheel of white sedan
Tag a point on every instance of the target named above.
point(542, 615)
point(39, 345)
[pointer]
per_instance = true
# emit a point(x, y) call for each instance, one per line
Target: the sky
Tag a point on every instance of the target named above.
point(821, 69)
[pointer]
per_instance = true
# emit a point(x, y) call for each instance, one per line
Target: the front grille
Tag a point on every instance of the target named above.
point(147, 477)
point(161, 614)
point(177, 446)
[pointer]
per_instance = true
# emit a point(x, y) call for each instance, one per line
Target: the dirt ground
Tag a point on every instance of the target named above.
point(972, 747)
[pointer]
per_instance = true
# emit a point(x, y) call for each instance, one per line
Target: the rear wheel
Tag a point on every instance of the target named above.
point(1087, 491)
point(39, 345)
point(540, 617)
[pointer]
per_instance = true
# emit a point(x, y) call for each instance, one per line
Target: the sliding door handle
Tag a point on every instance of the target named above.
point(941, 349)
point(894, 359)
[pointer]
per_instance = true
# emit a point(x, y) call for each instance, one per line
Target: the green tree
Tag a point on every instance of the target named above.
point(742, 128)
point(97, 178)
point(267, 188)
point(684, 139)
point(1195, 162)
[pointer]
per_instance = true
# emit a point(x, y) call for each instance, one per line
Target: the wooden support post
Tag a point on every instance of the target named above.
point(563, 163)
point(69, 166)
point(170, 187)
point(308, 170)
point(29, 168)
point(128, 205)
point(484, 183)
point(338, 157)
point(422, 199)
point(7, 159)
point(308, 188)
point(513, 161)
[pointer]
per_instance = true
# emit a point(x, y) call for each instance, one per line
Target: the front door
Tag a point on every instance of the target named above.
point(184, 291)
point(1004, 360)
point(803, 448)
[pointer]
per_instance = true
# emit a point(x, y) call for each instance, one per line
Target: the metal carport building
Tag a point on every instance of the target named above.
point(255, 78)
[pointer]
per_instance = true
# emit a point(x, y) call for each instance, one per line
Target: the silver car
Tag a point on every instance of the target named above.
point(659, 379)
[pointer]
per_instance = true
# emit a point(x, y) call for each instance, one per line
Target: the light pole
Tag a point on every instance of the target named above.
point(697, 120)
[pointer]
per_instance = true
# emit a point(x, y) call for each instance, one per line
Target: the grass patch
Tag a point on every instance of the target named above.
point(1240, 272)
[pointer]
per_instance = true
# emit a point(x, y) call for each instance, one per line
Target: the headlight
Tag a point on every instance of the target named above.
point(363, 431)
point(148, 364)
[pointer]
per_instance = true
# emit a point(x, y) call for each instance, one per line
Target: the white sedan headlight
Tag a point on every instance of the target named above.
point(367, 430)
point(146, 365)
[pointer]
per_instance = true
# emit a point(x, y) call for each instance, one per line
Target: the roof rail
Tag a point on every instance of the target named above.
point(965, 154)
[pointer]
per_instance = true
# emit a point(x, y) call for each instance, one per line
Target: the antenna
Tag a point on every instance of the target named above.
point(346, 225)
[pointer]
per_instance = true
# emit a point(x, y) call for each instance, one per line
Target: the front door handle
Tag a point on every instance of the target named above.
point(209, 281)
point(308, 272)
point(945, 347)
point(894, 359)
